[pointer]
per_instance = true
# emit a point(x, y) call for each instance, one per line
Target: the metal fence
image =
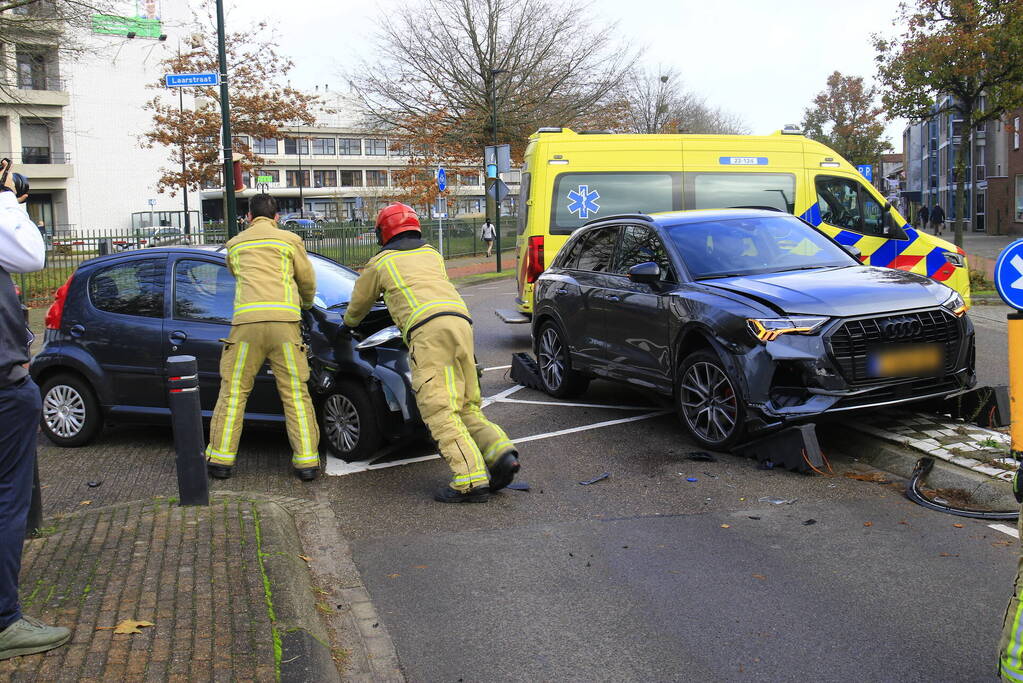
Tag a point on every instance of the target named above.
point(352, 245)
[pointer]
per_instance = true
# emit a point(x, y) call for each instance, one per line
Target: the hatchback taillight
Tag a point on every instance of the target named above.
point(56, 312)
point(534, 258)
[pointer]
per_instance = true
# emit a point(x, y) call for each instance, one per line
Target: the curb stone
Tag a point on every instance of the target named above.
point(986, 491)
point(371, 655)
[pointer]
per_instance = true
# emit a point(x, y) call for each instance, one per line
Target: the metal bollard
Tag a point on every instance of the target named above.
point(186, 418)
point(35, 508)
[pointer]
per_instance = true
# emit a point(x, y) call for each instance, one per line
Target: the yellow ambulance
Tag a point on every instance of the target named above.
point(571, 178)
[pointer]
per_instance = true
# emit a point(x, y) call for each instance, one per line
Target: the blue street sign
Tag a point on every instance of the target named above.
point(1009, 275)
point(188, 80)
point(867, 171)
point(442, 179)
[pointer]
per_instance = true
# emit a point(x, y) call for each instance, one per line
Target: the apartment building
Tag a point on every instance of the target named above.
point(930, 149)
point(342, 170)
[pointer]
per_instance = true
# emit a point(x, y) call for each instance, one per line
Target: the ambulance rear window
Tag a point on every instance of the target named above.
point(582, 197)
point(741, 190)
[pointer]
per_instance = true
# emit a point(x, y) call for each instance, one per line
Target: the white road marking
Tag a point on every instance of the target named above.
point(570, 405)
point(1005, 529)
point(339, 468)
point(497, 367)
point(504, 394)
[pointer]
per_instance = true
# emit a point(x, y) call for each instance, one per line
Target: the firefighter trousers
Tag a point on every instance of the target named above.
point(245, 350)
point(448, 395)
point(1010, 647)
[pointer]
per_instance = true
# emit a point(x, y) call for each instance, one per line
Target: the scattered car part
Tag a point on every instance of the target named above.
point(920, 471)
point(595, 479)
point(794, 448)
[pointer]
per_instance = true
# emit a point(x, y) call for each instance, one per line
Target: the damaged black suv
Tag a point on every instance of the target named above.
point(748, 319)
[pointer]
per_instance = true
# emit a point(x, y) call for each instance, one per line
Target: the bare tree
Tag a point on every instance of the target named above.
point(545, 62)
point(60, 26)
point(656, 101)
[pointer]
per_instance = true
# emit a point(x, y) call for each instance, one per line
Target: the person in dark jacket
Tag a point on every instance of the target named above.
point(21, 251)
point(923, 216)
point(937, 219)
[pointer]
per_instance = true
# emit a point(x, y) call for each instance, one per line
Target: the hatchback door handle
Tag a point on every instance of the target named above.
point(77, 330)
point(177, 337)
point(613, 297)
point(561, 291)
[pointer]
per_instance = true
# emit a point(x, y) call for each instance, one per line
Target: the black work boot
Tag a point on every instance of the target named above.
point(504, 470)
point(308, 473)
point(450, 495)
point(218, 471)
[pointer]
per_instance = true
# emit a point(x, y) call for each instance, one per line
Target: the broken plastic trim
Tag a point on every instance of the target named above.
point(922, 469)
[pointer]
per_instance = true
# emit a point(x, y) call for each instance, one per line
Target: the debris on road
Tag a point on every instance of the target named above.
point(518, 486)
point(691, 479)
point(810, 522)
point(595, 479)
point(126, 627)
point(873, 477)
point(93, 484)
point(777, 501)
point(701, 456)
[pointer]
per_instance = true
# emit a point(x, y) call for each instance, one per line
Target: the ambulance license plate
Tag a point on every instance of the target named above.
point(906, 360)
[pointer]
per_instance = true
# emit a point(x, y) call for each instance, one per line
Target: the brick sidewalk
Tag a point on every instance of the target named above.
point(474, 265)
point(197, 573)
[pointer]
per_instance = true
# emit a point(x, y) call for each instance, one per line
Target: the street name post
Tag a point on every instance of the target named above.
point(181, 81)
point(442, 184)
point(1009, 283)
point(497, 159)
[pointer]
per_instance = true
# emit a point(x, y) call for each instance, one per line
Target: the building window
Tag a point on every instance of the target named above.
point(376, 148)
point(264, 146)
point(351, 178)
point(470, 179)
point(324, 146)
point(35, 143)
point(325, 178)
point(376, 178)
point(351, 146)
point(240, 142)
point(296, 146)
point(293, 178)
point(1019, 198)
point(32, 72)
point(1015, 133)
point(212, 183)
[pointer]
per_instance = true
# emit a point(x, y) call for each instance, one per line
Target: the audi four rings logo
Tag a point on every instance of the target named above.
point(902, 328)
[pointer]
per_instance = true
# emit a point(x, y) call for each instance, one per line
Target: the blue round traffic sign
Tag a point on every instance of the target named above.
point(1009, 275)
point(442, 179)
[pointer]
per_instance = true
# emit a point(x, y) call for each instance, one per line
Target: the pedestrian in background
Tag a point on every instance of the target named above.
point(937, 219)
point(274, 283)
point(21, 251)
point(488, 233)
point(436, 326)
point(923, 216)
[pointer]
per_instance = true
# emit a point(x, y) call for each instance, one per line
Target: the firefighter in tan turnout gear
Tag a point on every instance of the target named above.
point(274, 283)
point(437, 328)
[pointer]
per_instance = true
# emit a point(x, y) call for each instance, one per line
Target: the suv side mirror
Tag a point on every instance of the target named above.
point(648, 273)
point(853, 250)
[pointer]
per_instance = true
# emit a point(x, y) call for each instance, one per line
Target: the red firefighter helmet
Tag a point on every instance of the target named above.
point(396, 219)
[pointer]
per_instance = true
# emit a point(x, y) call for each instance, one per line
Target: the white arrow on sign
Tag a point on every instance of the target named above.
point(1017, 263)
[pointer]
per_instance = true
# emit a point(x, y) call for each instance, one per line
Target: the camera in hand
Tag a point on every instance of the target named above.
point(20, 184)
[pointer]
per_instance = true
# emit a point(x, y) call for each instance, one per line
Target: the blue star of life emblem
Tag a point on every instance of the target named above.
point(583, 202)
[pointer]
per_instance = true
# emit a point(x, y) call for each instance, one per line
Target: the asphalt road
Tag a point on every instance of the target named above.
point(642, 576)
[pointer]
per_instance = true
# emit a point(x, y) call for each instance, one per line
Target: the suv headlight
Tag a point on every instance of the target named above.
point(955, 304)
point(769, 329)
point(382, 337)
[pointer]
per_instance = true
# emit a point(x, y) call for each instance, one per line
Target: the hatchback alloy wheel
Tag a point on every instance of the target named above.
point(341, 420)
point(708, 402)
point(64, 411)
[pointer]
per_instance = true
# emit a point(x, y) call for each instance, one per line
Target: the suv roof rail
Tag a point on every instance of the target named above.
point(619, 216)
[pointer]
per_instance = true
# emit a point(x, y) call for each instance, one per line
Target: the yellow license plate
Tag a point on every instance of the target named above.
point(910, 360)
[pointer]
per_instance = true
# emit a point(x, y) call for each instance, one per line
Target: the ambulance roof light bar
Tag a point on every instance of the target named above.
point(791, 129)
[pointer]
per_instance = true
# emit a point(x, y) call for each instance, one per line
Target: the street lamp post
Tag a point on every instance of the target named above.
point(301, 178)
point(493, 183)
point(230, 213)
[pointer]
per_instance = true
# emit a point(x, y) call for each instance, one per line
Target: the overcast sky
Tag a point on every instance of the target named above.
point(763, 60)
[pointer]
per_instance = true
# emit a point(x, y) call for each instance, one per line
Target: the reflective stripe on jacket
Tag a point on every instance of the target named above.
point(275, 279)
point(414, 283)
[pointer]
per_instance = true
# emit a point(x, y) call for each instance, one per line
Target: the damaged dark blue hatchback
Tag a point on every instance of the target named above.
point(748, 319)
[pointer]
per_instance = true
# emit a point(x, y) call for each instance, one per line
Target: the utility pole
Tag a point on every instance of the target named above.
point(230, 212)
point(301, 178)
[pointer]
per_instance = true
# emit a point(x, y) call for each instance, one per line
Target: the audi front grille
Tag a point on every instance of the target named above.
point(851, 343)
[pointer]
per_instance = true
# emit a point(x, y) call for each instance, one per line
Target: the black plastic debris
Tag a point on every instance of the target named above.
point(701, 456)
point(518, 486)
point(525, 371)
point(93, 484)
point(810, 522)
point(595, 479)
point(793, 448)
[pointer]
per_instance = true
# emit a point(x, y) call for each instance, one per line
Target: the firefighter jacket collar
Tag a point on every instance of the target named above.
point(400, 243)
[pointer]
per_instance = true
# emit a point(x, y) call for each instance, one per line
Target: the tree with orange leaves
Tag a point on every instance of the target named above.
point(962, 56)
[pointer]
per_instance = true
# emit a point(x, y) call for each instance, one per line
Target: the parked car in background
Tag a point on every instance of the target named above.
point(152, 237)
point(307, 227)
point(747, 319)
point(118, 317)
